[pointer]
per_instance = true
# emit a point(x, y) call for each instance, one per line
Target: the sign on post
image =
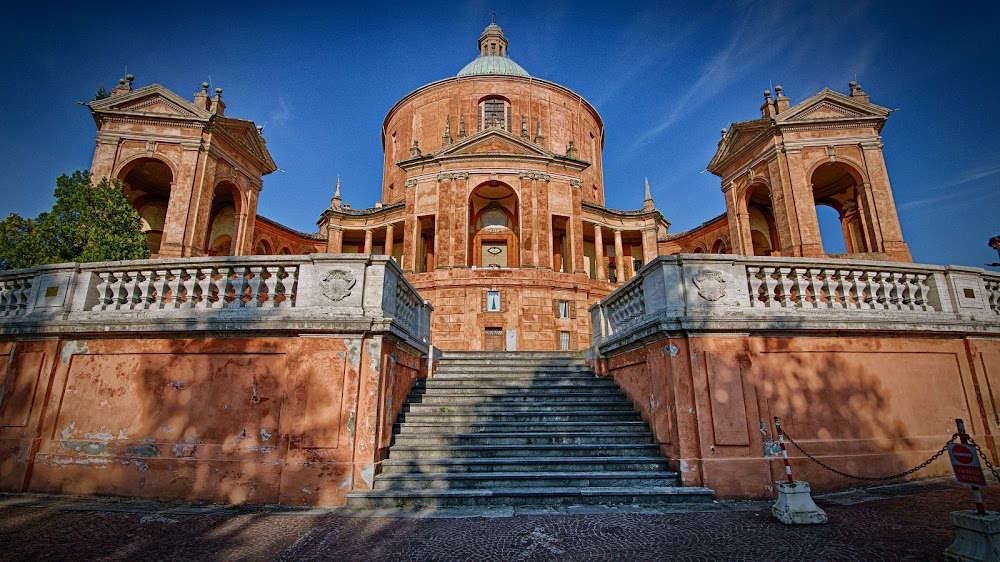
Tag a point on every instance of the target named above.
point(965, 463)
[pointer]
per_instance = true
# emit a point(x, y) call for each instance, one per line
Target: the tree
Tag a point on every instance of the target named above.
point(87, 223)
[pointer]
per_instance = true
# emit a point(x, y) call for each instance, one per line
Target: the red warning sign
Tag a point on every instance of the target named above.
point(965, 463)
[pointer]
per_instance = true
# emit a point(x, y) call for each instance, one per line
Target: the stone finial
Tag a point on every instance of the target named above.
point(217, 106)
point(415, 149)
point(336, 202)
point(461, 127)
point(124, 85)
point(781, 102)
point(723, 131)
point(647, 203)
point(446, 137)
point(571, 151)
point(201, 97)
point(767, 110)
point(539, 138)
point(857, 92)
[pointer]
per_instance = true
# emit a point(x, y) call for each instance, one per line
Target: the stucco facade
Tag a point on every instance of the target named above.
point(492, 196)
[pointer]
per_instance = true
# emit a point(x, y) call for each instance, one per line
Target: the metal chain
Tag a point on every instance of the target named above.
point(877, 478)
point(989, 465)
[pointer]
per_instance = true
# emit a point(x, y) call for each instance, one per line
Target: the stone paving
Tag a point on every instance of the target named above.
point(903, 522)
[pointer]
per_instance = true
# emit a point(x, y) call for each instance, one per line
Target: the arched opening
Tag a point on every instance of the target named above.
point(262, 247)
point(760, 213)
point(147, 183)
point(493, 225)
point(223, 220)
point(720, 247)
point(284, 251)
point(837, 186)
point(494, 112)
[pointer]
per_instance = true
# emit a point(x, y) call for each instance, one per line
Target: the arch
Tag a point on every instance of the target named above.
point(759, 210)
point(147, 184)
point(838, 185)
point(493, 224)
point(720, 246)
point(284, 250)
point(223, 219)
point(262, 246)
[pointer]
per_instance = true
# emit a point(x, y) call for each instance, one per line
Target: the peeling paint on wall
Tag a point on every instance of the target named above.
point(85, 447)
point(177, 385)
point(684, 466)
point(375, 354)
point(264, 435)
point(368, 474)
point(351, 422)
point(673, 350)
point(73, 347)
point(652, 401)
point(353, 352)
point(346, 482)
point(146, 450)
point(103, 436)
point(141, 465)
point(242, 435)
point(10, 356)
point(69, 430)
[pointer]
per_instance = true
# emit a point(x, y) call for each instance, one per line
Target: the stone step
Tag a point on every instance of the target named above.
point(590, 399)
point(402, 452)
point(489, 480)
point(507, 382)
point(419, 427)
point(519, 356)
point(512, 407)
point(558, 465)
point(524, 438)
point(536, 417)
point(530, 497)
point(510, 368)
point(436, 389)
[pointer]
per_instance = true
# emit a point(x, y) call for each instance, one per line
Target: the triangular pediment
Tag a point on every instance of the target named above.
point(827, 105)
point(245, 134)
point(150, 101)
point(739, 135)
point(493, 141)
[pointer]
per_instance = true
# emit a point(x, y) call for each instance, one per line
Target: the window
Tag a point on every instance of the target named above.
point(492, 301)
point(563, 309)
point(612, 273)
point(564, 340)
point(494, 113)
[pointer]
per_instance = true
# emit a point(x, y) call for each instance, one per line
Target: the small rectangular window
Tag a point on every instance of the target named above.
point(493, 301)
point(563, 309)
point(564, 340)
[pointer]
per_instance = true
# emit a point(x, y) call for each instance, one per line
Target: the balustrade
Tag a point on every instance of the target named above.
point(777, 286)
point(14, 293)
point(199, 286)
point(627, 307)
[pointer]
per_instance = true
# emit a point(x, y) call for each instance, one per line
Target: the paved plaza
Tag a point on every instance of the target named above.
point(902, 522)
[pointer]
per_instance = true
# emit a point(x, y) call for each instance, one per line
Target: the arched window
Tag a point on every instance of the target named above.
point(494, 113)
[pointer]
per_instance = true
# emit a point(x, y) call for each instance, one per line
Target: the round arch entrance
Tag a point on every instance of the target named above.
point(147, 183)
point(493, 225)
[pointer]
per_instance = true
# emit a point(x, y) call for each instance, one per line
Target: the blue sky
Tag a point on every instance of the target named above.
point(664, 77)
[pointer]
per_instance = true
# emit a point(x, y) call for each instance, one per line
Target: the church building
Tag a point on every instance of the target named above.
point(493, 197)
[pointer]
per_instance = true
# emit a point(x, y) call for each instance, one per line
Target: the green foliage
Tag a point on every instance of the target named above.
point(87, 223)
point(101, 94)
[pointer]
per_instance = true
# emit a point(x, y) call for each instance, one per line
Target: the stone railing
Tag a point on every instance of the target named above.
point(315, 293)
point(699, 292)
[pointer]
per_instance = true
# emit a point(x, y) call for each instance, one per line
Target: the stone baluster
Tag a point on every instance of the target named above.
point(922, 289)
point(785, 287)
point(145, 289)
point(239, 286)
point(255, 282)
point(103, 295)
point(222, 284)
point(771, 287)
point(754, 284)
point(206, 276)
point(119, 291)
point(289, 285)
point(801, 285)
point(162, 288)
point(190, 281)
point(271, 285)
point(907, 287)
point(176, 294)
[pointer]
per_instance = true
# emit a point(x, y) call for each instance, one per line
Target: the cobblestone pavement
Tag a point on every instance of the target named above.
point(905, 522)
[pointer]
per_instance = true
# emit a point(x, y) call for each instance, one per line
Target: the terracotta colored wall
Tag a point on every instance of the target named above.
point(871, 406)
point(290, 420)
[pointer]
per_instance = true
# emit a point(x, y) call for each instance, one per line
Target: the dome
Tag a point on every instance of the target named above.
point(493, 64)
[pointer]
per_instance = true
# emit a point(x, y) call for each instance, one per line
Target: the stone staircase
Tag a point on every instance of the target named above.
point(531, 429)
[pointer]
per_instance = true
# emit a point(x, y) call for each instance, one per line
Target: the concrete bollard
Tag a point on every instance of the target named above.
point(977, 537)
point(795, 506)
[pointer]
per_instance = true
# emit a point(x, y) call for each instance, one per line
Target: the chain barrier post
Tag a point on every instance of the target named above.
point(794, 506)
point(977, 494)
point(977, 533)
point(784, 452)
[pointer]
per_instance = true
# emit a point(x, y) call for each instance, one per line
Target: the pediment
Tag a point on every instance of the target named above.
point(153, 100)
point(493, 141)
point(246, 135)
point(827, 105)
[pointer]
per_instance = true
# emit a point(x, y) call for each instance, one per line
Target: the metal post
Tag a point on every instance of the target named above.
point(977, 494)
point(784, 453)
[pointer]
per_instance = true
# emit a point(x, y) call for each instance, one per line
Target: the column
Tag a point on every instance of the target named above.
point(443, 221)
point(649, 249)
point(388, 239)
point(543, 234)
point(368, 241)
point(619, 258)
point(575, 229)
point(334, 239)
point(599, 253)
point(528, 221)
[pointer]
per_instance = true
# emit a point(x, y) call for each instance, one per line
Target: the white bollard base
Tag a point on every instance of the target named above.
point(795, 506)
point(977, 537)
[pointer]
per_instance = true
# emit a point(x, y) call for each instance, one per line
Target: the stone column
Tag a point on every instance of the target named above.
point(783, 196)
point(543, 235)
point(334, 239)
point(368, 241)
point(599, 253)
point(460, 246)
point(649, 249)
point(411, 229)
point(575, 226)
point(443, 222)
point(105, 157)
point(389, 233)
point(619, 258)
point(528, 221)
point(884, 207)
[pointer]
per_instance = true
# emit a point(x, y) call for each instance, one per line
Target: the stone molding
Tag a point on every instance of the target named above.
point(448, 176)
point(534, 176)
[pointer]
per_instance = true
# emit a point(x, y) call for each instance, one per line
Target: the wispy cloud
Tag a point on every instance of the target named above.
point(280, 115)
point(963, 195)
